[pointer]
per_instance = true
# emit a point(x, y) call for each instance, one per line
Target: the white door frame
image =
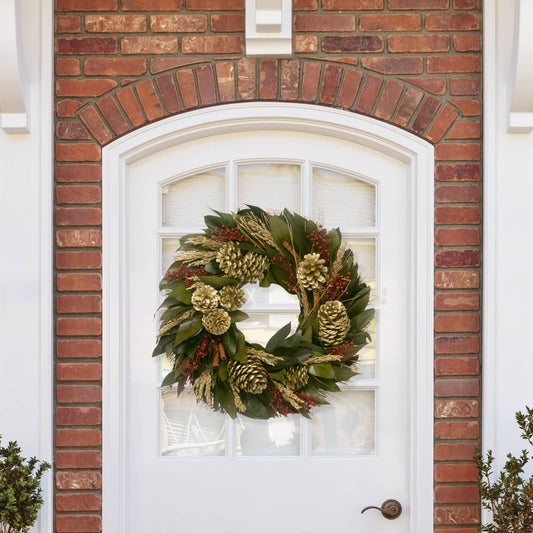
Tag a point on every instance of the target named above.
point(385, 138)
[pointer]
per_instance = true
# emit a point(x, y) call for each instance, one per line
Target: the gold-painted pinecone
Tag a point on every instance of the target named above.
point(204, 297)
point(333, 323)
point(253, 267)
point(249, 377)
point(231, 298)
point(216, 321)
point(296, 377)
point(312, 271)
point(247, 268)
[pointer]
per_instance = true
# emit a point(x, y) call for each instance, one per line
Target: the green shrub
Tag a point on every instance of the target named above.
point(20, 491)
point(510, 496)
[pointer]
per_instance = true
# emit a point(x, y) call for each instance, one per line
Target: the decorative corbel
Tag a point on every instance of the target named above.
point(14, 102)
point(521, 109)
point(268, 27)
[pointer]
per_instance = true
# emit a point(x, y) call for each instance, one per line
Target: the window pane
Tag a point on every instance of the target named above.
point(190, 429)
point(346, 426)
point(276, 436)
point(341, 200)
point(364, 249)
point(260, 327)
point(272, 186)
point(273, 295)
point(366, 365)
point(186, 201)
point(169, 247)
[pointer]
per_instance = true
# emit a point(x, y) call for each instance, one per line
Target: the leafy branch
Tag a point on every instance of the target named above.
point(510, 496)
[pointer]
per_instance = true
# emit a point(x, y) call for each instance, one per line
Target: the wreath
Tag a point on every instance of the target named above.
point(203, 293)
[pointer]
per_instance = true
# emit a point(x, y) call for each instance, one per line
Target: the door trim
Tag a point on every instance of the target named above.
point(383, 137)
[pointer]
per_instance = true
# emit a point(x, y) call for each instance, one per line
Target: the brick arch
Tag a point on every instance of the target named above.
point(177, 86)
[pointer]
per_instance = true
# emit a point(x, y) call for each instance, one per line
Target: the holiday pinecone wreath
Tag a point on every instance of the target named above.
point(203, 296)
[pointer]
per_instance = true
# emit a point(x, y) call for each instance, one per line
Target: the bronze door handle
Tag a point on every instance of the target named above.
point(390, 509)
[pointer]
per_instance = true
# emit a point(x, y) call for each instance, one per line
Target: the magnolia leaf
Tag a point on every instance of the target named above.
point(240, 352)
point(187, 329)
point(182, 294)
point(169, 379)
point(223, 371)
point(362, 319)
point(359, 302)
point(278, 338)
point(280, 231)
point(322, 370)
point(238, 316)
point(229, 342)
point(217, 282)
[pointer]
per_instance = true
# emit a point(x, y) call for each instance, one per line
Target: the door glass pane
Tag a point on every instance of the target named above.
point(190, 429)
point(260, 327)
point(272, 186)
point(276, 436)
point(273, 295)
point(342, 200)
point(366, 365)
point(346, 426)
point(186, 201)
point(364, 249)
point(169, 245)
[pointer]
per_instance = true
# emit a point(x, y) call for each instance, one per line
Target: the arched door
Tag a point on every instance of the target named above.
point(186, 468)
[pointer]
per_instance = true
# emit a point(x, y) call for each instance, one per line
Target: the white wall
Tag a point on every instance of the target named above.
point(26, 258)
point(508, 253)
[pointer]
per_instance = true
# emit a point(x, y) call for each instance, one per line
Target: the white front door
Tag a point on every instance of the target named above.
point(189, 469)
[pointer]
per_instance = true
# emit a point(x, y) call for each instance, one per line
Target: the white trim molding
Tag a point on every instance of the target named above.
point(263, 116)
point(521, 109)
point(268, 28)
point(14, 93)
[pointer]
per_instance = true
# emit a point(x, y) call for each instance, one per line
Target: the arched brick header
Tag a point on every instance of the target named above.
point(176, 87)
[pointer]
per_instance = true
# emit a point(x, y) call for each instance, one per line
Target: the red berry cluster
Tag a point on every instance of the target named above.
point(183, 273)
point(205, 348)
point(278, 404)
point(345, 350)
point(283, 262)
point(228, 234)
point(337, 286)
point(310, 401)
point(320, 240)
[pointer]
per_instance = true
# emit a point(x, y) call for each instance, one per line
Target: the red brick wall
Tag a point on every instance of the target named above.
point(121, 64)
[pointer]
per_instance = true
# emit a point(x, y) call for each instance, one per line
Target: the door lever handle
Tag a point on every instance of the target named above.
point(390, 509)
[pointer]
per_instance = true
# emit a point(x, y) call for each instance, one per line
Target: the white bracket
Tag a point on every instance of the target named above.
point(268, 27)
point(14, 103)
point(521, 110)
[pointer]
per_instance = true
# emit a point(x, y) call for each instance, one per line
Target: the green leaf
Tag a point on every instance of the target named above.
point(240, 353)
point(255, 408)
point(169, 379)
point(335, 242)
point(307, 335)
point(212, 268)
point(294, 340)
point(238, 316)
point(322, 370)
point(182, 294)
point(280, 230)
point(362, 319)
point(343, 373)
point(278, 338)
point(187, 329)
point(218, 282)
point(223, 371)
point(359, 302)
point(172, 312)
point(160, 346)
point(229, 342)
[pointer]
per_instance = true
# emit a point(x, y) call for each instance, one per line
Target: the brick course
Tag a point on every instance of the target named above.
point(121, 65)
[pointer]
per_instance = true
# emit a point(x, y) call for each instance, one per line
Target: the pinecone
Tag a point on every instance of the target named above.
point(312, 271)
point(247, 268)
point(229, 259)
point(249, 377)
point(216, 321)
point(253, 267)
point(204, 297)
point(333, 323)
point(231, 298)
point(296, 377)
